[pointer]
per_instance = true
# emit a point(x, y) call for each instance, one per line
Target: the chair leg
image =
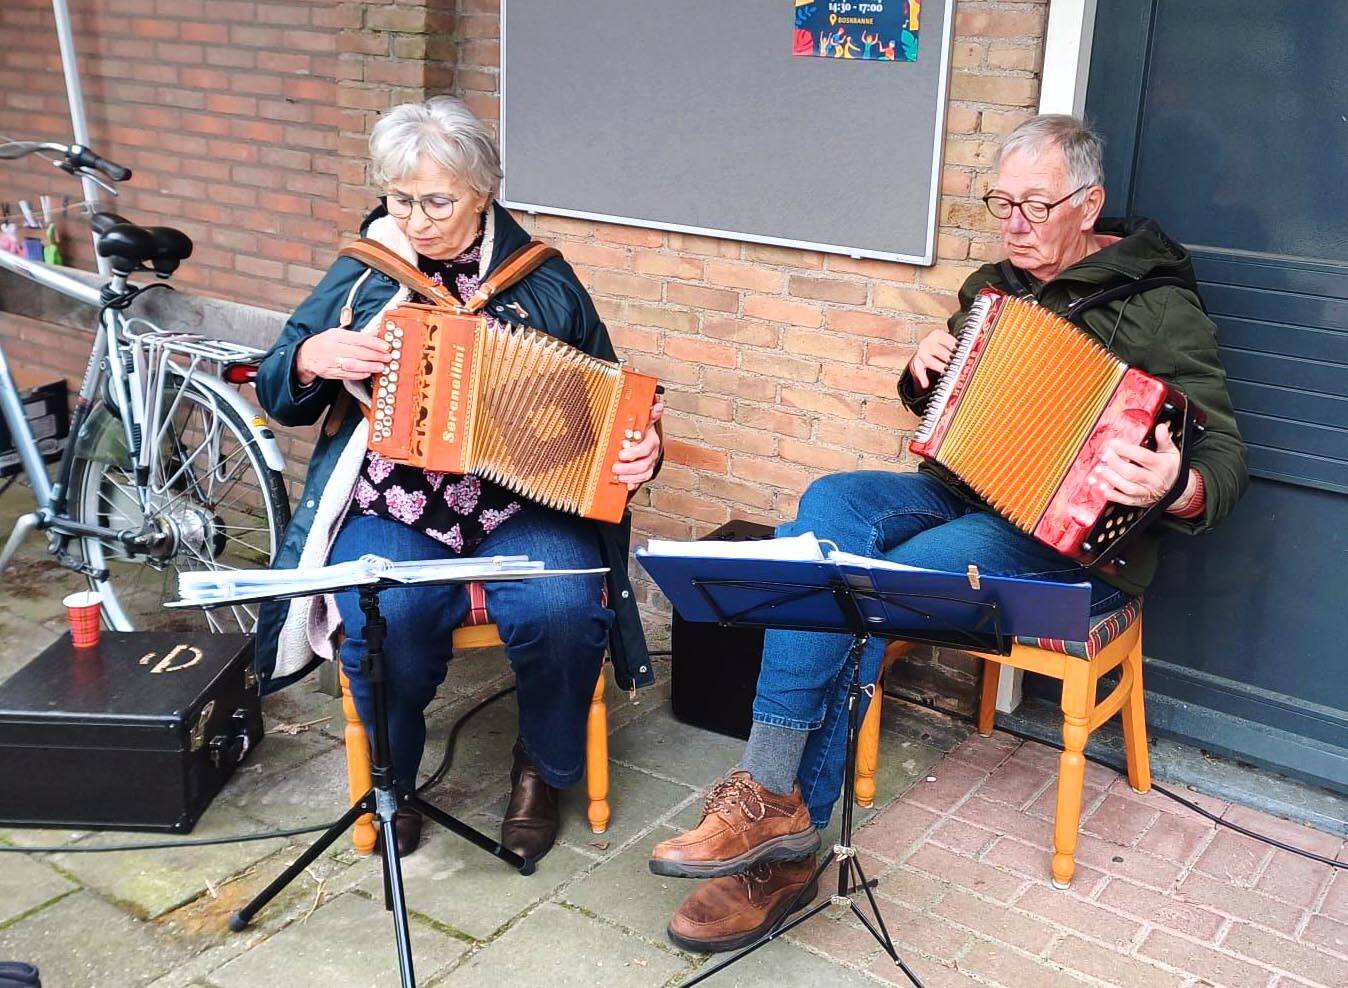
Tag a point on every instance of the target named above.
point(358, 778)
point(987, 701)
point(596, 758)
point(1135, 725)
point(1078, 691)
point(868, 748)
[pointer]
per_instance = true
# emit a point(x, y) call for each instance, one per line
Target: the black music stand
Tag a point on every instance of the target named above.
point(386, 794)
point(863, 612)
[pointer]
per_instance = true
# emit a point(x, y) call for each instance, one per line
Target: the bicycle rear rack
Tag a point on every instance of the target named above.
point(154, 341)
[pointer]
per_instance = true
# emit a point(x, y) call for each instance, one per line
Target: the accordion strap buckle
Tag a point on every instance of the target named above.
point(975, 579)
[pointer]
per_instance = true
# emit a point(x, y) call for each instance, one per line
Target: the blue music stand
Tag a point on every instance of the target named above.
point(967, 611)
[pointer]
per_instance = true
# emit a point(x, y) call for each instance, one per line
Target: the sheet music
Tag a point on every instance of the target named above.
point(204, 588)
point(867, 562)
point(800, 548)
point(416, 571)
point(210, 585)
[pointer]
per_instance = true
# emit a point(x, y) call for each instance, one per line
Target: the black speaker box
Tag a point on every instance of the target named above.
point(714, 670)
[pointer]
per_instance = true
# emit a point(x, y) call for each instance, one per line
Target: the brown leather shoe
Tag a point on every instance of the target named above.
point(732, 912)
point(530, 825)
point(742, 824)
point(406, 831)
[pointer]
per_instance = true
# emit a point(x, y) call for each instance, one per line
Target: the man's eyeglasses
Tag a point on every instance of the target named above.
point(435, 207)
point(1034, 210)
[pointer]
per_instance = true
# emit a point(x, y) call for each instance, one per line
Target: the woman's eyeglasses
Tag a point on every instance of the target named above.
point(436, 208)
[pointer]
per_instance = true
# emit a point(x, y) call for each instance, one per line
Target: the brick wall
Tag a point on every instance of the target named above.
point(780, 363)
point(225, 111)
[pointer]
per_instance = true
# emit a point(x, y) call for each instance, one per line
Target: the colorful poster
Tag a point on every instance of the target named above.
point(879, 30)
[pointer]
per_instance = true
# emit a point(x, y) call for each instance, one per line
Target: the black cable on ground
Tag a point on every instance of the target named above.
point(165, 844)
point(446, 761)
point(1254, 835)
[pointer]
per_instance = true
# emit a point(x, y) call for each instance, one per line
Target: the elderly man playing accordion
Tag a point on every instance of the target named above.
point(759, 834)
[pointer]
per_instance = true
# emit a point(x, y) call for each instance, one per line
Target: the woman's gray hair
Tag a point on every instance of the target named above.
point(442, 130)
point(1082, 147)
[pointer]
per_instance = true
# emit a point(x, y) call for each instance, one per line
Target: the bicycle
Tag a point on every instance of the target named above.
point(167, 466)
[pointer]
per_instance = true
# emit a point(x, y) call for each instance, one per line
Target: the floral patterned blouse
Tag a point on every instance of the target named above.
point(458, 511)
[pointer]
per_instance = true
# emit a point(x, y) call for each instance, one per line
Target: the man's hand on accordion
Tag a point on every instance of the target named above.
point(1132, 474)
point(340, 355)
point(932, 356)
point(640, 455)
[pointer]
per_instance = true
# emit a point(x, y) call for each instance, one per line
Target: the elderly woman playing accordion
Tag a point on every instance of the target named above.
point(440, 171)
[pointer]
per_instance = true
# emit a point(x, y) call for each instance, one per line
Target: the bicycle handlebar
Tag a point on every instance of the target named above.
point(19, 149)
point(82, 157)
point(76, 158)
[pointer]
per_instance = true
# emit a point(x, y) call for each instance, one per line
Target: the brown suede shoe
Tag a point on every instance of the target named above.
point(742, 824)
point(406, 830)
point(732, 912)
point(530, 825)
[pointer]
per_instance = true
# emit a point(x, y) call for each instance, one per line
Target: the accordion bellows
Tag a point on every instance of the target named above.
point(1022, 414)
point(514, 406)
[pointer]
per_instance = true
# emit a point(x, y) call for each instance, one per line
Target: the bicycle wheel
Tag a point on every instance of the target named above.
point(209, 492)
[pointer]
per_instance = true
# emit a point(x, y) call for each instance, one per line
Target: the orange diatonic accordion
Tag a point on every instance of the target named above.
point(1022, 414)
point(515, 406)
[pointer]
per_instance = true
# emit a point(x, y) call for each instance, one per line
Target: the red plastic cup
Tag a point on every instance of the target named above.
point(86, 617)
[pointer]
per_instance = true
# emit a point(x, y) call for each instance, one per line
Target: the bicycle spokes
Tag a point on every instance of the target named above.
point(206, 493)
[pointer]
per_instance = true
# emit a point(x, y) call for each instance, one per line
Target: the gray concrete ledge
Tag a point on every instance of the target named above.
point(223, 318)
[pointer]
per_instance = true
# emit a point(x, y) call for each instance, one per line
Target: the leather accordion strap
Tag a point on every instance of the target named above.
point(515, 267)
point(379, 257)
point(1013, 280)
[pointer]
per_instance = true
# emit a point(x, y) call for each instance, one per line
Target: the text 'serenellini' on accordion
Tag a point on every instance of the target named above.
point(514, 406)
point(1022, 414)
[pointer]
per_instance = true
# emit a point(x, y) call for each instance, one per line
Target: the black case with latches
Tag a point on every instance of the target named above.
point(138, 732)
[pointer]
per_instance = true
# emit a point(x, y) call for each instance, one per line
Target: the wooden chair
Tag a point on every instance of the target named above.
point(477, 631)
point(1114, 642)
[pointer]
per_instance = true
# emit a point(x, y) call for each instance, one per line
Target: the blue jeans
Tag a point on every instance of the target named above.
point(906, 518)
point(555, 632)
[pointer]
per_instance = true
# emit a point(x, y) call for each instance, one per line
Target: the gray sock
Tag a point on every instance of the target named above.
point(772, 756)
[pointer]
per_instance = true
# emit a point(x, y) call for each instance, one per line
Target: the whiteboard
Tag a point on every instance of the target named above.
point(696, 116)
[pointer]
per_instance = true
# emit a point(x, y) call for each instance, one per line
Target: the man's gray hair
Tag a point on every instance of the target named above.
point(1082, 147)
point(442, 130)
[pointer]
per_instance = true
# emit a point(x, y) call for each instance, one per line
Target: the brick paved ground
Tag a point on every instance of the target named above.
point(1161, 896)
point(959, 840)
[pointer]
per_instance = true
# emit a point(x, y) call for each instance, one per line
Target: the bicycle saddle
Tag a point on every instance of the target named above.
point(129, 246)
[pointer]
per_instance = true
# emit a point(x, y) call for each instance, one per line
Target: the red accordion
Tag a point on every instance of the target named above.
point(1022, 414)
